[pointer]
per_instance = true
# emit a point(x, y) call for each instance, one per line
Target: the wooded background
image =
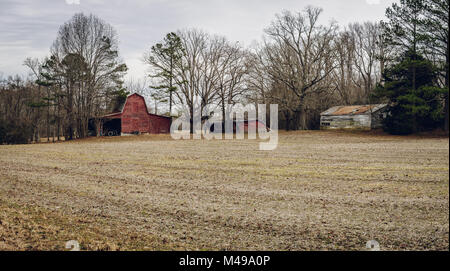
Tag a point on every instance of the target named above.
point(301, 65)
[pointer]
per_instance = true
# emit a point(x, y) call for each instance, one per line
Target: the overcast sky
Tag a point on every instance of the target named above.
point(28, 27)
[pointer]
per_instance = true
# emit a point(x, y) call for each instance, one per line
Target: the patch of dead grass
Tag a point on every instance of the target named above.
point(320, 190)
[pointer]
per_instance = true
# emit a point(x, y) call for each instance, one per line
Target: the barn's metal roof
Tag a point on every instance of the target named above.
point(353, 110)
point(117, 114)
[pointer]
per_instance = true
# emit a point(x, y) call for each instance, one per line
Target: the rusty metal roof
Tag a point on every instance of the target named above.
point(353, 110)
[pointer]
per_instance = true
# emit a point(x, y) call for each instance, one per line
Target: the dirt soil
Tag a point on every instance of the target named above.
point(317, 191)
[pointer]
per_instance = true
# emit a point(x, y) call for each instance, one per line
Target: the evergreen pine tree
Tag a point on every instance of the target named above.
point(414, 105)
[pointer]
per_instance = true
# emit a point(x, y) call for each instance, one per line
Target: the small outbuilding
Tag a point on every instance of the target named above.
point(354, 117)
point(134, 118)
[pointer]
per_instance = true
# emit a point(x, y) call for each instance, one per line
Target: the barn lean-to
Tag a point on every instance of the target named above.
point(134, 118)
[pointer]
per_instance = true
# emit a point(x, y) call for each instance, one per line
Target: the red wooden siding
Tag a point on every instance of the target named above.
point(135, 118)
point(254, 124)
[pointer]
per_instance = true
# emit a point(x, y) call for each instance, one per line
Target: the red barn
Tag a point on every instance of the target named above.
point(253, 124)
point(134, 118)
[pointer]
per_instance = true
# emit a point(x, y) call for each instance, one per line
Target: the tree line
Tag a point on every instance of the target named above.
point(81, 79)
point(303, 66)
point(306, 67)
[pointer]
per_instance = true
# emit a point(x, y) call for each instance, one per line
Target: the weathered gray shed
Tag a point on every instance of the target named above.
point(353, 117)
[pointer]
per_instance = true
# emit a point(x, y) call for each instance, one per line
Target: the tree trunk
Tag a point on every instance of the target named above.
point(446, 95)
point(287, 116)
point(71, 128)
point(170, 86)
point(71, 111)
point(58, 120)
point(97, 127)
point(191, 119)
point(301, 117)
point(446, 113)
point(223, 115)
point(36, 134)
point(48, 116)
point(170, 101)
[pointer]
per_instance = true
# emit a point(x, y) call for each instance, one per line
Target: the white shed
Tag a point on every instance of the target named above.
point(353, 117)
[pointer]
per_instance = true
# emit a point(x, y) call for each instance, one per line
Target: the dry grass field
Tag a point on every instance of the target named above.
point(318, 191)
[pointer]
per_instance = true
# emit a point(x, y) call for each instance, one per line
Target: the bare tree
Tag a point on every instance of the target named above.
point(232, 70)
point(361, 55)
point(368, 53)
point(345, 76)
point(35, 66)
point(300, 56)
point(197, 74)
point(85, 61)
